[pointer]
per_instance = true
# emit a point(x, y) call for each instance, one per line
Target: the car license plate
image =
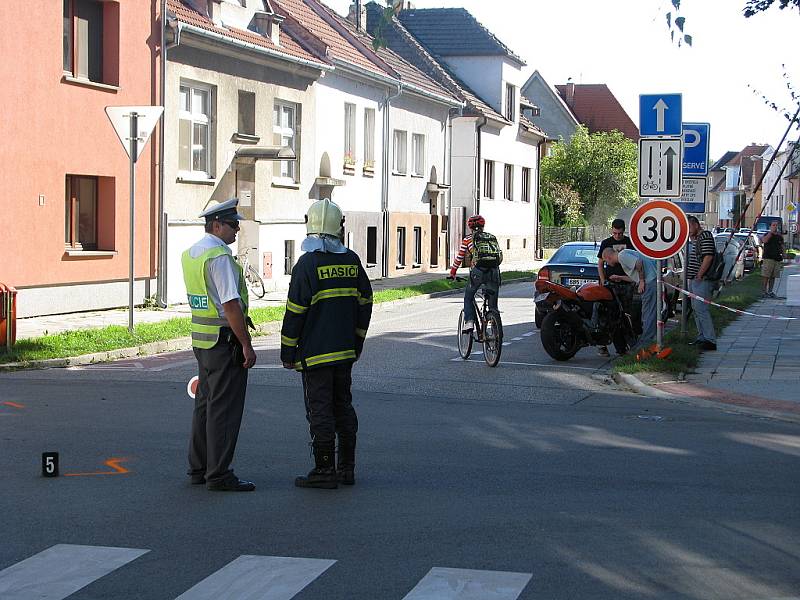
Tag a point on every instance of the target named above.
point(573, 281)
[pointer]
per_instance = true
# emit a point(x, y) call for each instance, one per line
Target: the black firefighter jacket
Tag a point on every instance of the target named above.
point(327, 312)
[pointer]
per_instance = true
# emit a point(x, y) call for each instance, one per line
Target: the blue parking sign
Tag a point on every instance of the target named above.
point(695, 148)
point(660, 115)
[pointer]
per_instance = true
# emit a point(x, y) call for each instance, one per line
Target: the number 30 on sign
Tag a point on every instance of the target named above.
point(659, 229)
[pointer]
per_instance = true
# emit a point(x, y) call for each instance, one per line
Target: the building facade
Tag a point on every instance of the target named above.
point(71, 202)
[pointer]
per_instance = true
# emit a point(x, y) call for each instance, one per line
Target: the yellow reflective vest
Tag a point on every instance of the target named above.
point(206, 321)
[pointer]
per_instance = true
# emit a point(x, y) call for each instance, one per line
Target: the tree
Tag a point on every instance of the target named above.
point(599, 167)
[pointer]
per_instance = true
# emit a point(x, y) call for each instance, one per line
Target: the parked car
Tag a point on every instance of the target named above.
point(752, 250)
point(734, 268)
point(575, 263)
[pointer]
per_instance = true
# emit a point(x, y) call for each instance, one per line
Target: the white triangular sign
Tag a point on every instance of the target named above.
point(147, 117)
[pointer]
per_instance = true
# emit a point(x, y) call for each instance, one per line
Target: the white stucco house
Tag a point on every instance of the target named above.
point(495, 146)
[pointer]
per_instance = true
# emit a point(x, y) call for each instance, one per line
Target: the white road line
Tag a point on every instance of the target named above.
point(508, 362)
point(516, 339)
point(506, 343)
point(466, 584)
point(530, 333)
point(259, 578)
point(61, 570)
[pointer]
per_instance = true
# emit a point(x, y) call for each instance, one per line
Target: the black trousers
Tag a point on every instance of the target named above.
point(329, 404)
point(218, 408)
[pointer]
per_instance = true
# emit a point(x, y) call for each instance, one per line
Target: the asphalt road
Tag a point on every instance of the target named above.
point(533, 480)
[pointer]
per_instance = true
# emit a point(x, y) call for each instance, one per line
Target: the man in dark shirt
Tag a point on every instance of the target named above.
point(773, 259)
point(618, 242)
point(700, 258)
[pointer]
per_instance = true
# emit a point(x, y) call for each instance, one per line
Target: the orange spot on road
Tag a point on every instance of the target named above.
point(14, 404)
point(111, 462)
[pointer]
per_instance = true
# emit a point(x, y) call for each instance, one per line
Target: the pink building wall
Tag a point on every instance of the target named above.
point(50, 128)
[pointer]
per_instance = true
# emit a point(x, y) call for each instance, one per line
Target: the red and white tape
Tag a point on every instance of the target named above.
point(728, 308)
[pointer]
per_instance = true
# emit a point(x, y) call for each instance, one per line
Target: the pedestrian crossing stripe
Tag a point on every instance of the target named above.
point(467, 584)
point(262, 577)
point(62, 570)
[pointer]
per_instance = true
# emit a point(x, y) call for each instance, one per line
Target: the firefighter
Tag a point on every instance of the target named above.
point(327, 315)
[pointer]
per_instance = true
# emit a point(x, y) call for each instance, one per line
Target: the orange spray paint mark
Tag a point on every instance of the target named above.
point(111, 462)
point(14, 404)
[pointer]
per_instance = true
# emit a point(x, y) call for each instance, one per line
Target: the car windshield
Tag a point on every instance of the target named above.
point(576, 255)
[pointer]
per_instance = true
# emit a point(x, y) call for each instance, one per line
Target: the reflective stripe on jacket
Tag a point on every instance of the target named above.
point(206, 321)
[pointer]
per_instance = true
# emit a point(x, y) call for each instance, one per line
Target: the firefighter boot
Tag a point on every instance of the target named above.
point(346, 461)
point(323, 475)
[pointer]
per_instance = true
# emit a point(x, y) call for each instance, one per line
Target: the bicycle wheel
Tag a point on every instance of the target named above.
point(464, 339)
point(254, 282)
point(492, 338)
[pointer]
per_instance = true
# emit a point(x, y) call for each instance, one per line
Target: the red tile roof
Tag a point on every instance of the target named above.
point(598, 109)
point(288, 46)
point(407, 72)
point(339, 47)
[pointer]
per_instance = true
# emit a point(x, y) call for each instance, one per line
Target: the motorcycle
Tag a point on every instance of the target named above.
point(592, 315)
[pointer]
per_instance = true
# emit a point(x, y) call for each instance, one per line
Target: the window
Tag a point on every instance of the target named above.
point(284, 128)
point(488, 179)
point(247, 113)
point(526, 184)
point(194, 130)
point(510, 102)
point(399, 157)
point(508, 182)
point(418, 154)
point(372, 246)
point(417, 246)
point(369, 138)
point(288, 256)
point(80, 229)
point(349, 134)
point(91, 30)
point(401, 246)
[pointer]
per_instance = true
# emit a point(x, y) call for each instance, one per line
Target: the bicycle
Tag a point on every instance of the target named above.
point(253, 280)
point(488, 329)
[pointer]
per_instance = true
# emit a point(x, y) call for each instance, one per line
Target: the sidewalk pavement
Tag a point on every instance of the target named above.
point(757, 363)
point(38, 326)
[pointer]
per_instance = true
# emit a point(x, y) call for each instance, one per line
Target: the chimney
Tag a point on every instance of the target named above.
point(268, 23)
point(360, 19)
point(570, 93)
point(215, 11)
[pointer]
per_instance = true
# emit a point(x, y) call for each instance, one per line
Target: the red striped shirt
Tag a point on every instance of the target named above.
point(467, 245)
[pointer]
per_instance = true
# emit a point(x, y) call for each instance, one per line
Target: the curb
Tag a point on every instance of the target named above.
point(185, 343)
point(635, 384)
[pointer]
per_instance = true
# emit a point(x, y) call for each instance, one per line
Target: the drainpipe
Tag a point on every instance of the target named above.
point(161, 281)
point(483, 122)
point(385, 180)
point(448, 175)
point(538, 252)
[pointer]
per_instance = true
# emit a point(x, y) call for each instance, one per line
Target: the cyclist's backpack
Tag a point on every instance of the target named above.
point(487, 250)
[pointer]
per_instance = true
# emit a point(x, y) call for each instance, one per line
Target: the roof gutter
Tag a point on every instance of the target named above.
point(213, 35)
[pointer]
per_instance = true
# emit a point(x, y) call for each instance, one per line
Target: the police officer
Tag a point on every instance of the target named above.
point(327, 315)
point(221, 342)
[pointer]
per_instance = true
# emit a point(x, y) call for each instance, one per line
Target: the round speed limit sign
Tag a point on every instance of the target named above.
point(659, 229)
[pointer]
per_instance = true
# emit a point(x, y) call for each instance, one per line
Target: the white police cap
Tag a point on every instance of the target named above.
point(224, 211)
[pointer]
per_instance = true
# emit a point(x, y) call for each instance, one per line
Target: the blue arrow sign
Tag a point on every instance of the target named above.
point(660, 115)
point(695, 148)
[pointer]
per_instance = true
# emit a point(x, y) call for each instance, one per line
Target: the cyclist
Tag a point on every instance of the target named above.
point(486, 258)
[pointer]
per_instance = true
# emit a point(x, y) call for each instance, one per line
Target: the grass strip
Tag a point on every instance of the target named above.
point(684, 357)
point(114, 337)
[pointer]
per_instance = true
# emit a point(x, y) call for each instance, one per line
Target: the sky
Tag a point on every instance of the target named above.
point(626, 45)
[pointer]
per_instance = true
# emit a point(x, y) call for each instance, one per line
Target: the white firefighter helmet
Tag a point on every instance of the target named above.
point(325, 217)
